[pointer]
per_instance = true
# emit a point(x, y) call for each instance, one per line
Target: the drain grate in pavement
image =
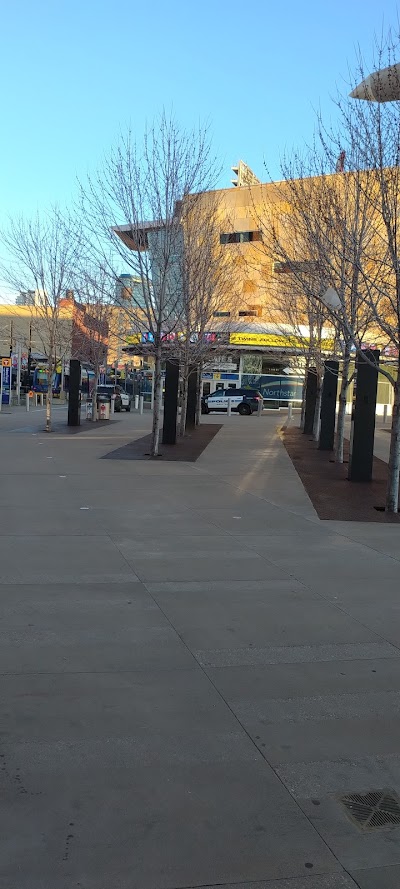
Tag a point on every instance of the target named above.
point(373, 810)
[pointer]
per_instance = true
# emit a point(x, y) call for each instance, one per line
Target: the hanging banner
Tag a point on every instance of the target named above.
point(281, 341)
point(6, 365)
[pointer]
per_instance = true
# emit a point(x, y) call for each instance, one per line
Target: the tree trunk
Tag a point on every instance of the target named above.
point(392, 493)
point(94, 395)
point(155, 432)
point(49, 394)
point(339, 445)
point(198, 405)
point(317, 413)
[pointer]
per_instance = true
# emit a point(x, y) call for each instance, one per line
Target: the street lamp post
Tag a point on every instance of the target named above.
point(381, 86)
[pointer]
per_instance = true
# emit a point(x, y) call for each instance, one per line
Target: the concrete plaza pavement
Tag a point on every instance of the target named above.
point(193, 668)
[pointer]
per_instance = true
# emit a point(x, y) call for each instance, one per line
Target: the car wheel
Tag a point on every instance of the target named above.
point(205, 410)
point(117, 410)
point(244, 410)
point(128, 408)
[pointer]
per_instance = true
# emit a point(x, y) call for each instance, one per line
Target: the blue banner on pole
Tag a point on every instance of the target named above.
point(6, 381)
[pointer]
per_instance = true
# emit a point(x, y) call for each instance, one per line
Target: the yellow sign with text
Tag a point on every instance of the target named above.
point(275, 340)
point(133, 339)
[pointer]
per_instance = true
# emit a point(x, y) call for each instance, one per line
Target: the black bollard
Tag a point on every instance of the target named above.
point(74, 395)
point(363, 417)
point(311, 399)
point(170, 401)
point(328, 406)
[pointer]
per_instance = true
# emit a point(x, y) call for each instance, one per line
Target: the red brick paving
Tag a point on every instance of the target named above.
point(326, 483)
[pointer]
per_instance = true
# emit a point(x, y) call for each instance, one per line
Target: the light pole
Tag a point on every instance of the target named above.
point(381, 86)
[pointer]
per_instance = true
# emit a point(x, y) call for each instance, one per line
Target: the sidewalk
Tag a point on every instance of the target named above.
point(194, 668)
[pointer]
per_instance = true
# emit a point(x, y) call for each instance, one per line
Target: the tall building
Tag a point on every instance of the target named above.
point(25, 298)
point(129, 292)
point(30, 298)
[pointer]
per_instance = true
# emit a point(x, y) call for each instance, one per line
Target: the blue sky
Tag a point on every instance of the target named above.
point(74, 74)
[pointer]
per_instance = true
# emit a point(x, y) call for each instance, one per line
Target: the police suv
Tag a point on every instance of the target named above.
point(243, 401)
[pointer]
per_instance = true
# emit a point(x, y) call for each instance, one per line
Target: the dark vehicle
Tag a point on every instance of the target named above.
point(243, 401)
point(112, 390)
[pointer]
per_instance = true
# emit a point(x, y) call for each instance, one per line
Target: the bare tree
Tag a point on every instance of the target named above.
point(135, 203)
point(292, 282)
point(370, 136)
point(44, 254)
point(323, 237)
point(208, 289)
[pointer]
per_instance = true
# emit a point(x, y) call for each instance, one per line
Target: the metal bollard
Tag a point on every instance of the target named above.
point(112, 410)
point(229, 412)
point(27, 401)
point(136, 402)
point(290, 411)
point(385, 413)
point(141, 400)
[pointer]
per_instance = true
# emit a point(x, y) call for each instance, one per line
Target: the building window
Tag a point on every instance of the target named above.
point(221, 314)
point(248, 313)
point(283, 268)
point(240, 237)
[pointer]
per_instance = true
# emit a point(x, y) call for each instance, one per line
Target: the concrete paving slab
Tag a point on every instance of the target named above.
point(211, 568)
point(28, 492)
point(323, 777)
point(24, 600)
point(145, 524)
point(338, 881)
point(163, 826)
point(362, 591)
point(219, 612)
point(320, 546)
point(71, 560)
point(289, 681)
point(295, 654)
point(151, 648)
point(386, 623)
point(207, 544)
point(378, 878)
point(56, 521)
point(342, 881)
point(337, 738)
point(227, 548)
point(270, 518)
point(355, 848)
point(77, 620)
point(269, 625)
point(232, 590)
point(300, 710)
point(357, 567)
point(154, 712)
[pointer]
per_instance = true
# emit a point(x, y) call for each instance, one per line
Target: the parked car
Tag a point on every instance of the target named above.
point(244, 401)
point(110, 389)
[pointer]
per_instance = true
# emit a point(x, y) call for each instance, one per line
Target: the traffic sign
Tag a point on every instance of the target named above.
point(5, 381)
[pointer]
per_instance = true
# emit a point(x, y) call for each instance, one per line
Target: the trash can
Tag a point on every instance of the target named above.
point(103, 406)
